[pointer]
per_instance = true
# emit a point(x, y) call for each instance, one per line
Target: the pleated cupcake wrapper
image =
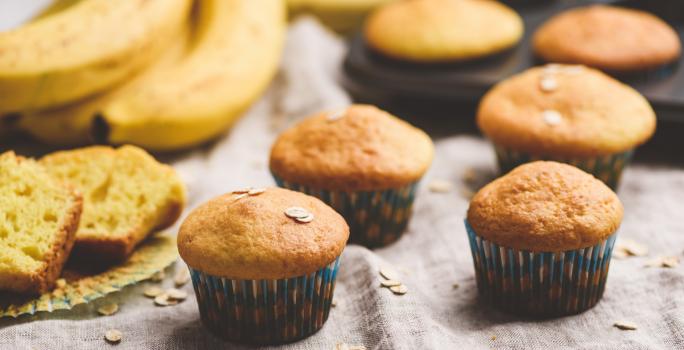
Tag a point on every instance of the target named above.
point(606, 168)
point(80, 287)
point(265, 311)
point(375, 218)
point(541, 284)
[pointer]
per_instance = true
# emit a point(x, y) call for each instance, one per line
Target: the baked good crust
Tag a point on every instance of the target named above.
point(443, 30)
point(545, 207)
point(600, 115)
point(607, 37)
point(107, 250)
point(61, 250)
point(250, 237)
point(365, 150)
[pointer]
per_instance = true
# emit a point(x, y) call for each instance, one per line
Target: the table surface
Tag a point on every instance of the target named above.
point(432, 256)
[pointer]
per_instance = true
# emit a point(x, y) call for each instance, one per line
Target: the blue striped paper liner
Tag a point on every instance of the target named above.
point(265, 311)
point(605, 168)
point(540, 284)
point(375, 218)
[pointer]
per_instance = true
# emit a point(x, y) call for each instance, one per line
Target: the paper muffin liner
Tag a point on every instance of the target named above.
point(543, 284)
point(265, 311)
point(375, 218)
point(606, 168)
point(79, 287)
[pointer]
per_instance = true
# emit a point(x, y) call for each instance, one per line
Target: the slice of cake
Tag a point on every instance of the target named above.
point(127, 195)
point(38, 220)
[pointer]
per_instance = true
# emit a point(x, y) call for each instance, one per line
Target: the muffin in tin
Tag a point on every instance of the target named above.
point(542, 238)
point(618, 40)
point(571, 114)
point(430, 31)
point(362, 161)
point(263, 263)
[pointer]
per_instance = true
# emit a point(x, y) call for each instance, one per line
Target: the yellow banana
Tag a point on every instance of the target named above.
point(70, 125)
point(55, 7)
point(8, 125)
point(82, 50)
point(231, 62)
point(340, 15)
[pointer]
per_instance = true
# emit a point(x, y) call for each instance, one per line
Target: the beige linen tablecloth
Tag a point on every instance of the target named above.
point(433, 254)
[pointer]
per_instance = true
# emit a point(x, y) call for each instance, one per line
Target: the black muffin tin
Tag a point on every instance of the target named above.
point(373, 78)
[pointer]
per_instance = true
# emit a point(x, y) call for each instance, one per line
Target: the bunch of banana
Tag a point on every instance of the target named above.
point(198, 88)
point(84, 49)
point(231, 61)
point(55, 7)
point(70, 125)
point(342, 16)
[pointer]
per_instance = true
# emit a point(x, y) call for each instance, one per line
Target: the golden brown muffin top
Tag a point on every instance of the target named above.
point(243, 236)
point(545, 207)
point(607, 37)
point(443, 30)
point(361, 148)
point(570, 111)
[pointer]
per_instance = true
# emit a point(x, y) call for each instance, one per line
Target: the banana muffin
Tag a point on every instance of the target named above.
point(610, 38)
point(443, 30)
point(280, 245)
point(541, 239)
point(362, 161)
point(571, 114)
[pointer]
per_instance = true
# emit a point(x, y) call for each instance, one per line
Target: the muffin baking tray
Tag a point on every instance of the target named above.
point(372, 78)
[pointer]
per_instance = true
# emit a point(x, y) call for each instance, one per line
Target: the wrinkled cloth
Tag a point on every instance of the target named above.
point(431, 257)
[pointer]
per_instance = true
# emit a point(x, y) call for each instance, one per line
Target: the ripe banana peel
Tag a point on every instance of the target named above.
point(9, 125)
point(342, 16)
point(56, 6)
point(84, 49)
point(233, 57)
point(70, 125)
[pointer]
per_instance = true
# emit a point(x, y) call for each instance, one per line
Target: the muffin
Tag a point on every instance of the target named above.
point(263, 263)
point(431, 31)
point(570, 114)
point(613, 39)
point(362, 161)
point(541, 239)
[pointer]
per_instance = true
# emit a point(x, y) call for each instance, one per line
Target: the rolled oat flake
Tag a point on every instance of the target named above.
point(305, 220)
point(296, 212)
point(548, 84)
point(399, 290)
point(113, 336)
point(108, 310)
point(625, 326)
point(552, 117)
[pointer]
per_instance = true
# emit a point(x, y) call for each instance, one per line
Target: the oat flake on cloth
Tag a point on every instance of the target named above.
point(433, 254)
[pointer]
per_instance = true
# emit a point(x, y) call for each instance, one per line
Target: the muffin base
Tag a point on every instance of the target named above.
point(265, 311)
point(605, 168)
point(375, 218)
point(540, 284)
